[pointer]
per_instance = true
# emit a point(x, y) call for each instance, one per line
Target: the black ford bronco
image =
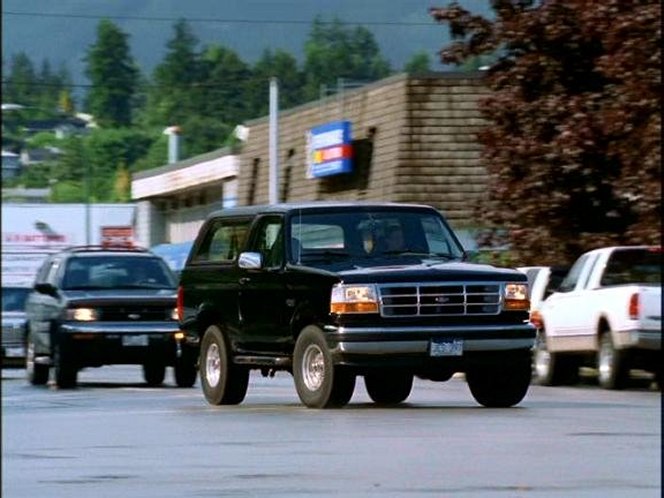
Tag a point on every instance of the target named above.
point(330, 291)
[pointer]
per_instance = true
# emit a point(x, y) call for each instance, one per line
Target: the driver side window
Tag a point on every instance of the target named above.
point(269, 242)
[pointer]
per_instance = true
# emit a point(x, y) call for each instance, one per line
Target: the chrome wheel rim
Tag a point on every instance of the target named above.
point(313, 367)
point(212, 365)
point(542, 357)
point(30, 359)
point(606, 359)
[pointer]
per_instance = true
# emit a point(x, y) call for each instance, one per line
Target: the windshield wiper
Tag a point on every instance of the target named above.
point(325, 255)
point(408, 252)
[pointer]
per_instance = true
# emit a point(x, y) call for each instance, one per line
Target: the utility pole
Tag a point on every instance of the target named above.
point(274, 141)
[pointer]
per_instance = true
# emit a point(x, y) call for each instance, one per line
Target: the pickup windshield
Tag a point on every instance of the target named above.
point(323, 238)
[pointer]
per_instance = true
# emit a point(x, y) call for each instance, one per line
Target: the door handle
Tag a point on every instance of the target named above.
point(244, 280)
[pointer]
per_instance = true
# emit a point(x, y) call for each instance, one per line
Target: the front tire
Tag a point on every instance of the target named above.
point(611, 364)
point(501, 384)
point(223, 383)
point(552, 369)
point(36, 373)
point(388, 388)
point(319, 383)
point(66, 373)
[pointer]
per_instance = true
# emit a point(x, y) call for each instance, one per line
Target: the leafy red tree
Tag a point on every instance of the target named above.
point(572, 146)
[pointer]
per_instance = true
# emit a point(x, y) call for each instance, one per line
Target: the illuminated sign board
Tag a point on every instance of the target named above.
point(329, 150)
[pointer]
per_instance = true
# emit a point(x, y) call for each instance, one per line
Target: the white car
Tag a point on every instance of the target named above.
point(542, 282)
point(606, 314)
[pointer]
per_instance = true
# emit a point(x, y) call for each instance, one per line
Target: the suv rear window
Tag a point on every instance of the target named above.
point(223, 242)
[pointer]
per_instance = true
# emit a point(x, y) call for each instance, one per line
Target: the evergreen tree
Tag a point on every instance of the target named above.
point(176, 92)
point(21, 84)
point(418, 63)
point(283, 66)
point(224, 79)
point(334, 51)
point(113, 75)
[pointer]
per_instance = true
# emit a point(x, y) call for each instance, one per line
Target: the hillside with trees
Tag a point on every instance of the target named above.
point(204, 89)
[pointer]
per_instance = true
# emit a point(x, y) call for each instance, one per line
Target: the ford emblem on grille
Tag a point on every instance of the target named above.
point(134, 316)
point(442, 299)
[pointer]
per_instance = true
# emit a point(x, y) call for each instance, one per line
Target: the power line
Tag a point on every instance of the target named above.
point(216, 20)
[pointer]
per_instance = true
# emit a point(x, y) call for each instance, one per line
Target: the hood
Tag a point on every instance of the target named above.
point(432, 272)
point(122, 296)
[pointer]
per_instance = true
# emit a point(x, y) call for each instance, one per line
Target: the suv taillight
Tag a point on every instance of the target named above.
point(180, 303)
point(634, 306)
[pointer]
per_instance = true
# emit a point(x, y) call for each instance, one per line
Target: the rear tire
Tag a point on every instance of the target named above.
point(223, 383)
point(388, 388)
point(154, 373)
point(501, 384)
point(319, 383)
point(611, 364)
point(185, 372)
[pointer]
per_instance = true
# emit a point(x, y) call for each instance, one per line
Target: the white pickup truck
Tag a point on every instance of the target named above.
point(607, 314)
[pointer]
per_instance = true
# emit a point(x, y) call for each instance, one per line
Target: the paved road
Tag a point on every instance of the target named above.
point(114, 437)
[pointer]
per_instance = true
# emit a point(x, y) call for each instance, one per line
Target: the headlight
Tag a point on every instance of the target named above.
point(354, 299)
point(82, 314)
point(515, 297)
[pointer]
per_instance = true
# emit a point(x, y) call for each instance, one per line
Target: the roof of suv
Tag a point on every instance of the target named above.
point(287, 207)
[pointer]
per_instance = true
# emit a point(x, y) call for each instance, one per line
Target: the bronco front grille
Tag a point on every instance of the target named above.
point(439, 299)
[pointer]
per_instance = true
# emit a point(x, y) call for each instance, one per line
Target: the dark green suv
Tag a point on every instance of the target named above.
point(94, 306)
point(332, 291)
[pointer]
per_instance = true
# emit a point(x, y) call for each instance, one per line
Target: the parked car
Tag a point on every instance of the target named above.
point(332, 291)
point(94, 306)
point(542, 282)
point(13, 325)
point(607, 314)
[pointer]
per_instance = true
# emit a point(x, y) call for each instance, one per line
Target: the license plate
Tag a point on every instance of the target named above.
point(15, 352)
point(446, 347)
point(135, 340)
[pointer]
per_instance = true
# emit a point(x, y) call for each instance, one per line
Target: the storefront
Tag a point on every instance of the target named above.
point(407, 138)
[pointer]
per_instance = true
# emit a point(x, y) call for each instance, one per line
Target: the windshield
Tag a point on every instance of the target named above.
point(13, 298)
point(380, 236)
point(117, 272)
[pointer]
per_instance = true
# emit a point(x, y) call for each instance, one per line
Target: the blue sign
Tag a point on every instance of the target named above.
point(329, 150)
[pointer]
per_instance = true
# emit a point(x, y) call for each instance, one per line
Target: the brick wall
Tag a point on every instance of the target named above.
point(414, 141)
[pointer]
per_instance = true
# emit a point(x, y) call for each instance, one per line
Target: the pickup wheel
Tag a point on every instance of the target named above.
point(185, 372)
point(611, 364)
point(223, 383)
point(37, 373)
point(65, 372)
point(154, 373)
point(552, 369)
point(319, 383)
point(501, 384)
point(388, 388)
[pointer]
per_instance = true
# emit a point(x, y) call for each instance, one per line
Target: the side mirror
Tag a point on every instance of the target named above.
point(250, 261)
point(46, 288)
